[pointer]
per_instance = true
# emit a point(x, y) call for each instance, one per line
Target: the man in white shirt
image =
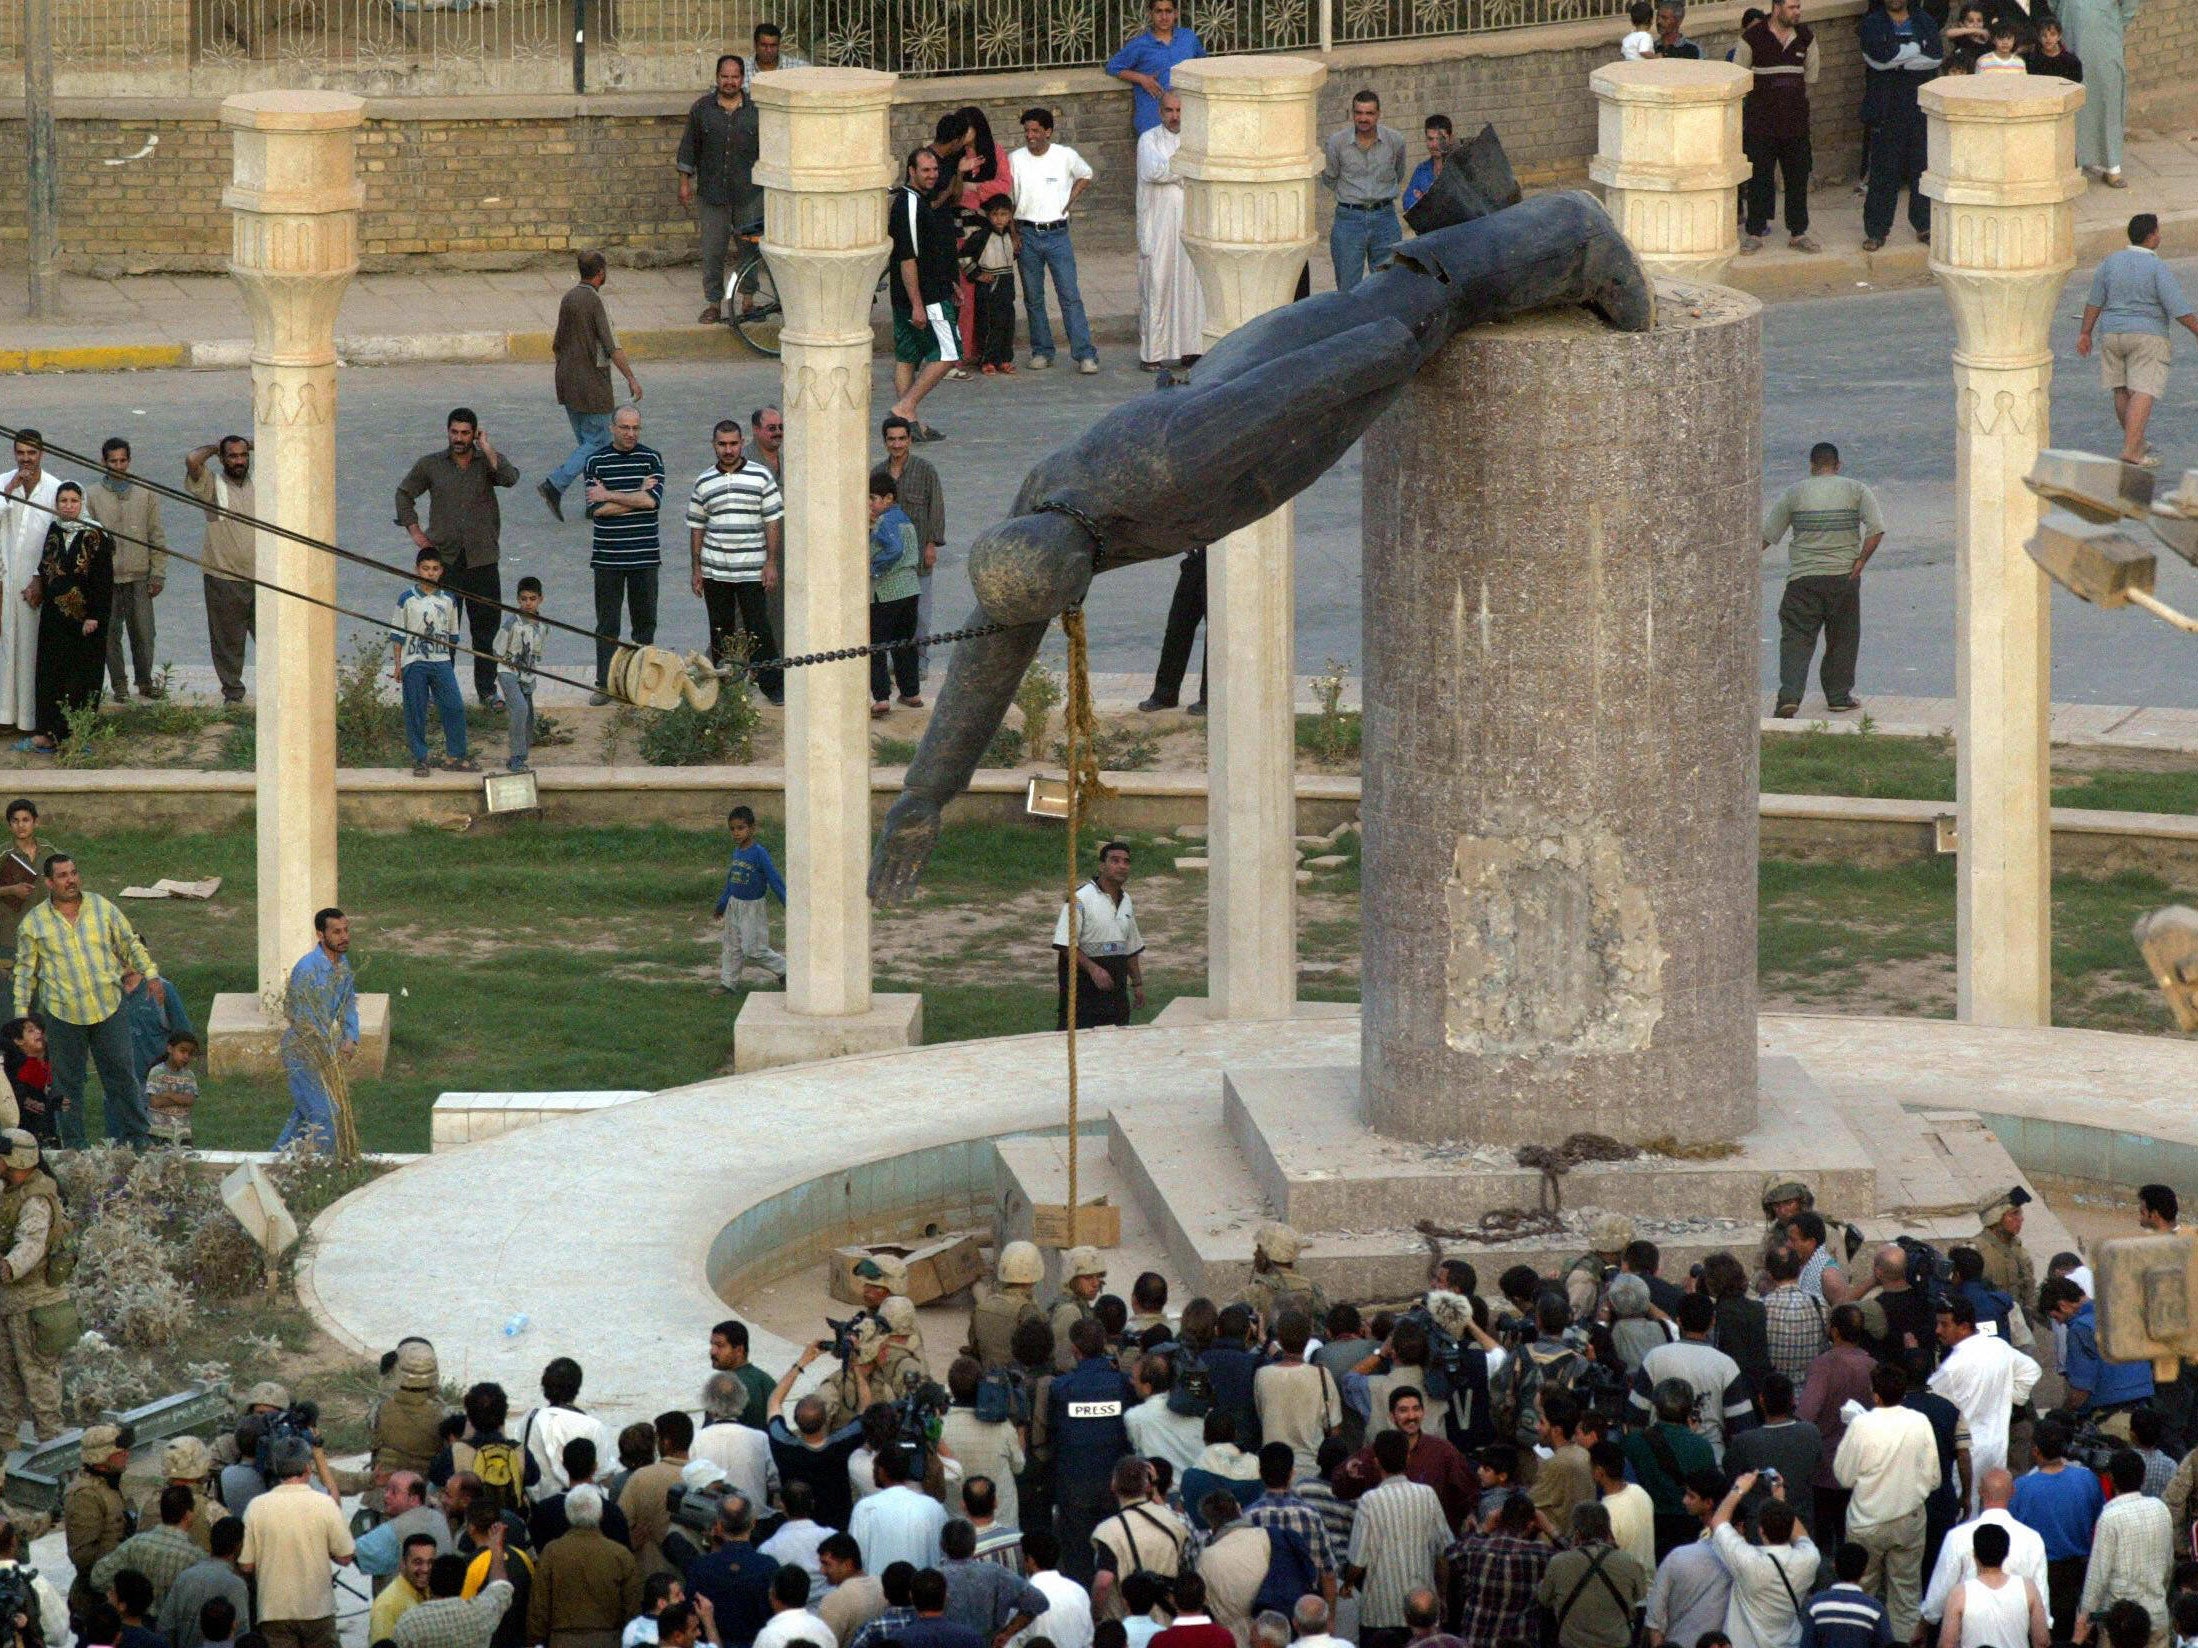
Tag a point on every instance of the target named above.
point(1632, 1512)
point(1156, 1432)
point(1109, 950)
point(1889, 1458)
point(791, 1621)
point(1985, 1377)
point(1768, 1580)
point(799, 1537)
point(1299, 1402)
point(1957, 1563)
point(741, 1452)
point(1066, 1623)
point(897, 1523)
point(545, 1431)
point(1048, 177)
point(1171, 310)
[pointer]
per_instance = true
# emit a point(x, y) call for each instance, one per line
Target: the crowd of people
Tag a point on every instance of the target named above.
point(1819, 1444)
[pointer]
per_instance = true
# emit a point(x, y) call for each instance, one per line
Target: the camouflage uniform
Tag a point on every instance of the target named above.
point(993, 1321)
point(1280, 1285)
point(93, 1515)
point(2007, 1263)
point(36, 1314)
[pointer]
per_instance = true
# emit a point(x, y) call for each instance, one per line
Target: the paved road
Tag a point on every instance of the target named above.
point(1868, 371)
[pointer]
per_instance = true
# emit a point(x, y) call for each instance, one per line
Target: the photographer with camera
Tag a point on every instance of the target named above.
point(809, 1450)
point(293, 1533)
point(868, 1370)
point(33, 1605)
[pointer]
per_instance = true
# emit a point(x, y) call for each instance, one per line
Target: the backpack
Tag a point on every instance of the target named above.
point(1001, 1397)
point(1291, 1571)
point(275, 1427)
point(1192, 1393)
point(1526, 1373)
point(1930, 1272)
point(500, 1465)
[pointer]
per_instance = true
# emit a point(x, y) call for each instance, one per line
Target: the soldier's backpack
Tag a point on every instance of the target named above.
point(1192, 1393)
point(1526, 1373)
point(1002, 1397)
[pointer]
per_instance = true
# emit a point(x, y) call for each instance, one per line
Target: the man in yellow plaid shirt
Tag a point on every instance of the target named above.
point(76, 956)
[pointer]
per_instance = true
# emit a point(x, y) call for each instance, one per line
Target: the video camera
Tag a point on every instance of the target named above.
point(19, 1598)
point(922, 1415)
point(842, 1342)
point(300, 1419)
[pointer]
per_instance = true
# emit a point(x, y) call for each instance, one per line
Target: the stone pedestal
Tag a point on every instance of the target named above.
point(1250, 153)
point(825, 166)
point(2003, 176)
point(295, 201)
point(1560, 736)
point(244, 1039)
point(1667, 155)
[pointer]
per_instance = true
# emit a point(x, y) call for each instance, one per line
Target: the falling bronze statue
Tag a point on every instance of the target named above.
point(1264, 415)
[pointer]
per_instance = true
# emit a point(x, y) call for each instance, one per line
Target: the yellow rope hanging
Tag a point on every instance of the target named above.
point(1081, 728)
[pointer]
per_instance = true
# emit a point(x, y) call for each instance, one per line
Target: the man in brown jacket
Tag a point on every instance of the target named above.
point(131, 515)
point(585, 1586)
point(585, 349)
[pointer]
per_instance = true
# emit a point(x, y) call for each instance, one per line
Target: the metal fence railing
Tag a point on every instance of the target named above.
point(209, 48)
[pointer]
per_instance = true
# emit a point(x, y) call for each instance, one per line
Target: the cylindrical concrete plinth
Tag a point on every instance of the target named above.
point(1560, 737)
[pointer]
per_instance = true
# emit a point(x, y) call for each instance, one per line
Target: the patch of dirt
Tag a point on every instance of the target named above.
point(1913, 988)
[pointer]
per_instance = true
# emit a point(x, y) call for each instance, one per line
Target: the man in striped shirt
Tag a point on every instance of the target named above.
point(733, 527)
point(1836, 527)
point(78, 956)
point(1399, 1544)
point(625, 491)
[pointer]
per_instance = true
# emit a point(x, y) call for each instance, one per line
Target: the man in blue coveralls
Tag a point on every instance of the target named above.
point(323, 1007)
point(1085, 1423)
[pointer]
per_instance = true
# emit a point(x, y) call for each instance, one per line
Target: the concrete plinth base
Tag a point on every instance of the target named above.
point(1189, 1010)
point(767, 1035)
point(243, 1040)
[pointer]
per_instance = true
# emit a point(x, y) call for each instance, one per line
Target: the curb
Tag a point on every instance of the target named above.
point(660, 343)
point(1787, 275)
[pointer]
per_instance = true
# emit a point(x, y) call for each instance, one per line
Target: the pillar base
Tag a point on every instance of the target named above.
point(767, 1034)
point(243, 1040)
point(1190, 1010)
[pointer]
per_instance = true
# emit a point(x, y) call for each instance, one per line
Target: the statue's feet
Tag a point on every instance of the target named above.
point(1476, 179)
point(904, 847)
point(1615, 283)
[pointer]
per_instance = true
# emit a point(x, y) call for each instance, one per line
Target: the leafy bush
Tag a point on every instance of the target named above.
point(1118, 749)
point(1005, 750)
point(1039, 695)
point(687, 737)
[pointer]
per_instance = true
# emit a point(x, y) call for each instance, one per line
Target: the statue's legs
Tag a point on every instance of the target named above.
point(1552, 250)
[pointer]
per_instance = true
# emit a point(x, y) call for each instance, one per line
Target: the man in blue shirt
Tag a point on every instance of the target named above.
point(1146, 60)
point(734, 1575)
point(322, 1004)
point(2135, 295)
point(740, 903)
point(2061, 1502)
point(625, 484)
point(1843, 1614)
point(1084, 1418)
point(1441, 136)
point(2095, 1385)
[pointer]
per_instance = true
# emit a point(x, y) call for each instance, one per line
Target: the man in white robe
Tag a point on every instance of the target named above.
point(1171, 311)
point(26, 510)
point(1985, 1377)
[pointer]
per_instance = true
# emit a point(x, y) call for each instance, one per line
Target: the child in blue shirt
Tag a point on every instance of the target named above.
point(747, 923)
point(895, 594)
point(423, 652)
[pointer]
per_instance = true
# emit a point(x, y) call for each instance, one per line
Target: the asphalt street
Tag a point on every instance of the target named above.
point(1869, 371)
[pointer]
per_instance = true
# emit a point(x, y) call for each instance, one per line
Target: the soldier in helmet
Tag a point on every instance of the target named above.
point(1083, 1279)
point(1276, 1284)
point(904, 1366)
point(93, 1514)
point(38, 1323)
point(1583, 1278)
point(186, 1462)
point(993, 1321)
point(2007, 1263)
point(405, 1429)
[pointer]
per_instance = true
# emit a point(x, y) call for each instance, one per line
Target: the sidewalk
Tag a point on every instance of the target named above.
point(147, 321)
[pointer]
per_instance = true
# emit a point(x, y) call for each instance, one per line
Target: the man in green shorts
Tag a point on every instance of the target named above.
point(926, 339)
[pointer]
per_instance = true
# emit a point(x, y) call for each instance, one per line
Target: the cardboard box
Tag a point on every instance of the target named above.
point(936, 1268)
point(1098, 1224)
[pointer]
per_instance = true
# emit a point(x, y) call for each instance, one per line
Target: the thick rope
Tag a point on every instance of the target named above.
point(1081, 727)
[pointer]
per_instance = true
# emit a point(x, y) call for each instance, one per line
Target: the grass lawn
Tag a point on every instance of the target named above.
point(545, 957)
point(1922, 769)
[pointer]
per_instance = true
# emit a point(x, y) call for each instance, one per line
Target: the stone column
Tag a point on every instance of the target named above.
point(1566, 926)
point(825, 167)
point(1667, 155)
point(2003, 174)
point(1251, 149)
point(295, 196)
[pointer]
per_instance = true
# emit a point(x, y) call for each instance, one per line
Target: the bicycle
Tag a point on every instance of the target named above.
point(752, 306)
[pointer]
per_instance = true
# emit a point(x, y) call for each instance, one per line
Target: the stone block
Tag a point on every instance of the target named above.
point(461, 1118)
point(1190, 866)
point(242, 1040)
point(2095, 561)
point(2097, 488)
point(767, 1034)
point(1327, 861)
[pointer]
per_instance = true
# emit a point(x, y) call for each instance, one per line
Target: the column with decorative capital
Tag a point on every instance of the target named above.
point(825, 166)
point(2002, 175)
point(1251, 149)
point(1667, 154)
point(295, 197)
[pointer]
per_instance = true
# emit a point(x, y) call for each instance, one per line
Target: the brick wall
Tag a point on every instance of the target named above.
point(501, 182)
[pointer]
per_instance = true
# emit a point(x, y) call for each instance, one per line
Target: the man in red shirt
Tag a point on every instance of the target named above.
point(1193, 1627)
point(1432, 1462)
